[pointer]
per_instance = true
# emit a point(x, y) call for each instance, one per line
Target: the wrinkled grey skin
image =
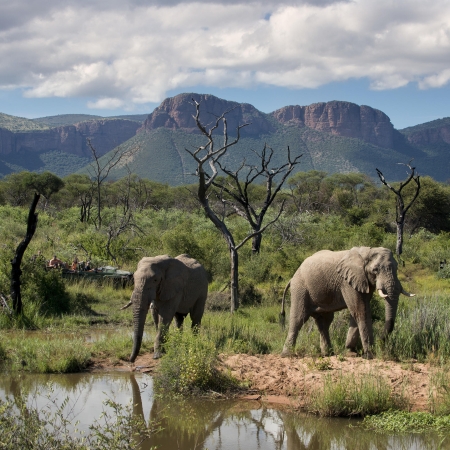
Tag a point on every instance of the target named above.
point(330, 281)
point(176, 287)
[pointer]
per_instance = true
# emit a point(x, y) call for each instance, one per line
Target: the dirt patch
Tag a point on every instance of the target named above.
point(289, 380)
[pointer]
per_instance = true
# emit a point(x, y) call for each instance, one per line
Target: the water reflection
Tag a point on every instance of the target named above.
point(199, 424)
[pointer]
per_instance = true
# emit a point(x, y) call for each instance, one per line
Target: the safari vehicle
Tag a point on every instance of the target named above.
point(118, 277)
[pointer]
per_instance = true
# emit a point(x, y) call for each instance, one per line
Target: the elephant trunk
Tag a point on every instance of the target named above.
point(391, 303)
point(139, 316)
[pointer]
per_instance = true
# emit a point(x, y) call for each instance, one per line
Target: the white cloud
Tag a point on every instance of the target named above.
point(124, 53)
point(106, 103)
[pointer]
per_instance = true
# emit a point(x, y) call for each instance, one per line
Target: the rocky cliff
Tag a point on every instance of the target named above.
point(342, 119)
point(177, 113)
point(336, 117)
point(104, 135)
point(430, 133)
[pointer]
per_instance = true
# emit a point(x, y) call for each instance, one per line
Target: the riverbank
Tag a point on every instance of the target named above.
point(288, 381)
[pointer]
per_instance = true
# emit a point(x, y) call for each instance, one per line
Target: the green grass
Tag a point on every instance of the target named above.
point(43, 354)
point(407, 422)
point(346, 396)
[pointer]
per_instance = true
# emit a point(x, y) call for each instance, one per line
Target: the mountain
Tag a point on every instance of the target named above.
point(335, 136)
point(35, 145)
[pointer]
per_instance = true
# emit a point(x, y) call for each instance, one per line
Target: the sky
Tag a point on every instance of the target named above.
point(113, 57)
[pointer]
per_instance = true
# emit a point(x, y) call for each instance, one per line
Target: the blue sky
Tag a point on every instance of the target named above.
point(111, 57)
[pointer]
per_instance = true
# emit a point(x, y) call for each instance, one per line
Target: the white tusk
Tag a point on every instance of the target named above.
point(407, 293)
point(381, 294)
point(127, 305)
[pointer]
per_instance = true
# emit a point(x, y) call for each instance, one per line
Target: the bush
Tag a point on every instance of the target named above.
point(189, 366)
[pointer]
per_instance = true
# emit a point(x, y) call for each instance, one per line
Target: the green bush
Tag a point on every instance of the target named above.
point(189, 366)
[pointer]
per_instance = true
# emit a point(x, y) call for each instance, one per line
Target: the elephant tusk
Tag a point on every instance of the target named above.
point(382, 294)
point(407, 293)
point(127, 305)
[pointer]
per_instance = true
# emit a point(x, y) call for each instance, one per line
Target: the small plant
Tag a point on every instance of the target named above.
point(321, 364)
point(346, 396)
point(189, 366)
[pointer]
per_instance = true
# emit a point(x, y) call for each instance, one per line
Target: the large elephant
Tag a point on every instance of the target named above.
point(330, 281)
point(175, 286)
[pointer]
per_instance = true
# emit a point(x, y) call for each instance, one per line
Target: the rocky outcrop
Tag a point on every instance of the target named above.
point(177, 113)
point(104, 135)
point(342, 119)
point(439, 133)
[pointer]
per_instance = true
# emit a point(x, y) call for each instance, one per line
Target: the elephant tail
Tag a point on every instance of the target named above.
point(282, 313)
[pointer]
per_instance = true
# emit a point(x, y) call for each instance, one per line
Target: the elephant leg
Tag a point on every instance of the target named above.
point(196, 314)
point(363, 319)
point(323, 321)
point(352, 335)
point(166, 314)
point(179, 319)
point(160, 338)
point(296, 321)
point(155, 314)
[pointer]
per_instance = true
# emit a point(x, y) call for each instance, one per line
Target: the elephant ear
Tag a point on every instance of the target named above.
point(351, 268)
point(173, 281)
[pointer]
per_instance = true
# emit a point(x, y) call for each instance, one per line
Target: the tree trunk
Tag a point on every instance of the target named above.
point(234, 280)
point(399, 246)
point(256, 242)
point(16, 262)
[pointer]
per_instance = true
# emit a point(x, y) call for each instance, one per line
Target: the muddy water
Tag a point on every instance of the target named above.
point(218, 424)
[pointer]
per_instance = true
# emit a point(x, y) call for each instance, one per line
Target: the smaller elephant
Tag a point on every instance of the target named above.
point(330, 281)
point(171, 287)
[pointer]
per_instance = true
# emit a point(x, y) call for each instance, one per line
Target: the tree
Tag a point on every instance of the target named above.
point(401, 209)
point(431, 209)
point(208, 155)
point(44, 184)
point(306, 190)
point(238, 191)
point(100, 169)
point(78, 189)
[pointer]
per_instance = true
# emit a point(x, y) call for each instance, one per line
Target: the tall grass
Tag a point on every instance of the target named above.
point(346, 396)
point(439, 397)
point(422, 331)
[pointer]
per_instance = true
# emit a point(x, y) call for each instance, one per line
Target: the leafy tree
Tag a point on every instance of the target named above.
point(431, 209)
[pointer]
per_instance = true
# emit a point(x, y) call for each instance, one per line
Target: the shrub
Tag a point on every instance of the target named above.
point(189, 366)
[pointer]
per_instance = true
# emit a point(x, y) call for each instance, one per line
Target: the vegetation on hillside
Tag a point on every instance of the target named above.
point(15, 124)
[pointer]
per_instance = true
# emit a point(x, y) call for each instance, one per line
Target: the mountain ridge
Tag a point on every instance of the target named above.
point(333, 136)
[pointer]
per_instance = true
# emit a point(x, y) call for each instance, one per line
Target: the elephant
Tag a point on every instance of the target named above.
point(175, 287)
point(329, 281)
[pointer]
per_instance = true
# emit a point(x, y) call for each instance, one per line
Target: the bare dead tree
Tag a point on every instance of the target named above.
point(208, 155)
point(123, 217)
point(401, 209)
point(44, 184)
point(239, 191)
point(100, 169)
